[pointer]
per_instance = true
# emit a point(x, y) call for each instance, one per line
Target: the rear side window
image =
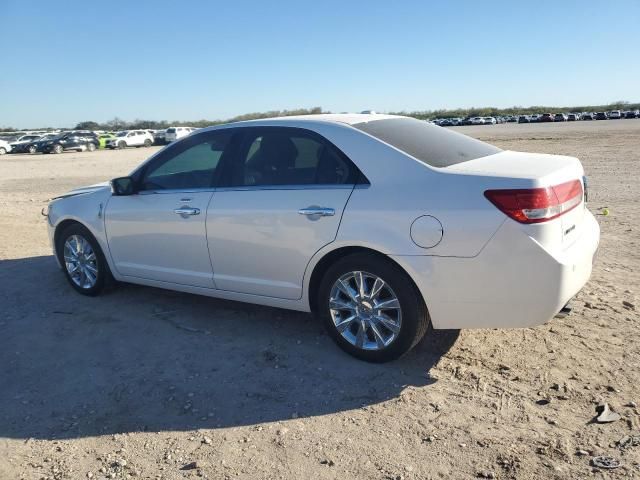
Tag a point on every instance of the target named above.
point(290, 156)
point(432, 145)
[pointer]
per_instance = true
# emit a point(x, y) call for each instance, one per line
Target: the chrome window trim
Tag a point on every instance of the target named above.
point(312, 186)
point(177, 190)
point(315, 186)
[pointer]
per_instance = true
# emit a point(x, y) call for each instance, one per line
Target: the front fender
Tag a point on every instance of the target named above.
point(86, 209)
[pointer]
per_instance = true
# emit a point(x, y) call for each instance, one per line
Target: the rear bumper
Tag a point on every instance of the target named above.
point(512, 282)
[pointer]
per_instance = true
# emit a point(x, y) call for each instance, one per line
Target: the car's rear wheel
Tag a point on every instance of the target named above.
point(57, 149)
point(147, 143)
point(82, 260)
point(32, 149)
point(371, 308)
point(91, 147)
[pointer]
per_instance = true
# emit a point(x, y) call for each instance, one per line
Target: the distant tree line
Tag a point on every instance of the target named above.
point(120, 124)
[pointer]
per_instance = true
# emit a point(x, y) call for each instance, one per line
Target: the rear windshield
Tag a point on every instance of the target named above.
point(432, 145)
point(171, 130)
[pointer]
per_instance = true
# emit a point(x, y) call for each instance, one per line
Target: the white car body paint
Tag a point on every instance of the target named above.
point(176, 133)
point(252, 245)
point(6, 146)
point(131, 138)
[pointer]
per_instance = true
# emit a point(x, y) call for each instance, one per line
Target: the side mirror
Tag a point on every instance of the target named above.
point(122, 186)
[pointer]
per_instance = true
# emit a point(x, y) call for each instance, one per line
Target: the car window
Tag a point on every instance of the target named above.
point(290, 156)
point(432, 145)
point(187, 164)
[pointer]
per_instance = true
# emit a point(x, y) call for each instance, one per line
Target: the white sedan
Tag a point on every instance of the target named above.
point(381, 225)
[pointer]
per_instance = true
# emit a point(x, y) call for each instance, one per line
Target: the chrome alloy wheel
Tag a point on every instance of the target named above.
point(365, 310)
point(80, 261)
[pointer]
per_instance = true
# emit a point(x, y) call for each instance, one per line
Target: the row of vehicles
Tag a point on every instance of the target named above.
point(85, 140)
point(537, 118)
point(575, 116)
point(456, 121)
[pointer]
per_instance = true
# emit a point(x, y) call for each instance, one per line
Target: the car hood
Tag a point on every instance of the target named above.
point(82, 190)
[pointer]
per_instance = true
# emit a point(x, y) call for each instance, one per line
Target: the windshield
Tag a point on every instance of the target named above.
point(432, 145)
point(121, 134)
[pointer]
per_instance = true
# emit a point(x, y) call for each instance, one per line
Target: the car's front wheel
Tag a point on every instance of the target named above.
point(147, 143)
point(32, 149)
point(91, 147)
point(57, 149)
point(82, 260)
point(122, 145)
point(2, 151)
point(371, 308)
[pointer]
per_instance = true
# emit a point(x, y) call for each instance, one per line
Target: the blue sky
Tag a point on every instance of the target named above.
point(64, 62)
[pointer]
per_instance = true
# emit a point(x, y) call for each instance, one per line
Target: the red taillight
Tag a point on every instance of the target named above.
point(537, 205)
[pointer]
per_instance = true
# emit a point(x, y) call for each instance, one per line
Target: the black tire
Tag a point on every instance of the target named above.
point(122, 145)
point(103, 276)
point(148, 143)
point(2, 151)
point(91, 147)
point(415, 317)
point(57, 149)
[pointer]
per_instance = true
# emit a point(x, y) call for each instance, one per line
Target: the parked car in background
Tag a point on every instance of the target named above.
point(560, 117)
point(451, 122)
point(105, 138)
point(18, 144)
point(374, 265)
point(615, 115)
point(572, 117)
point(77, 140)
point(131, 138)
point(546, 117)
point(523, 119)
point(632, 114)
point(32, 146)
point(5, 147)
point(490, 121)
point(602, 116)
point(159, 137)
point(176, 133)
point(477, 121)
point(588, 116)
point(535, 118)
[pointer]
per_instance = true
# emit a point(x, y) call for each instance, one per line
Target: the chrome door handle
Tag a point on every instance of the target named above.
point(319, 211)
point(186, 211)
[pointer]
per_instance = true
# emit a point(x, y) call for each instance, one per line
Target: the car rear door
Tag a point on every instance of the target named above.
point(280, 201)
point(159, 233)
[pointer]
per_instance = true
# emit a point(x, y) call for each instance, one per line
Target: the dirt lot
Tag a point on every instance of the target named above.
point(143, 382)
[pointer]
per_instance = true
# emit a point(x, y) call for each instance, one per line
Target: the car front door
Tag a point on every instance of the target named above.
point(159, 233)
point(278, 204)
point(135, 139)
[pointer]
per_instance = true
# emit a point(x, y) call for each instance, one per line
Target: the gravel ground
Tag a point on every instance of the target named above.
point(148, 383)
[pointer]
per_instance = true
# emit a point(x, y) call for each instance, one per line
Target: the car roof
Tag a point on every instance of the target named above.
point(346, 118)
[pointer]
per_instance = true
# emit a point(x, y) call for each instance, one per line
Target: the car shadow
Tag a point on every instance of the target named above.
point(145, 359)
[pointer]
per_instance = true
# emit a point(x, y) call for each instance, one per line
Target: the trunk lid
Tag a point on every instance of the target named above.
point(521, 170)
